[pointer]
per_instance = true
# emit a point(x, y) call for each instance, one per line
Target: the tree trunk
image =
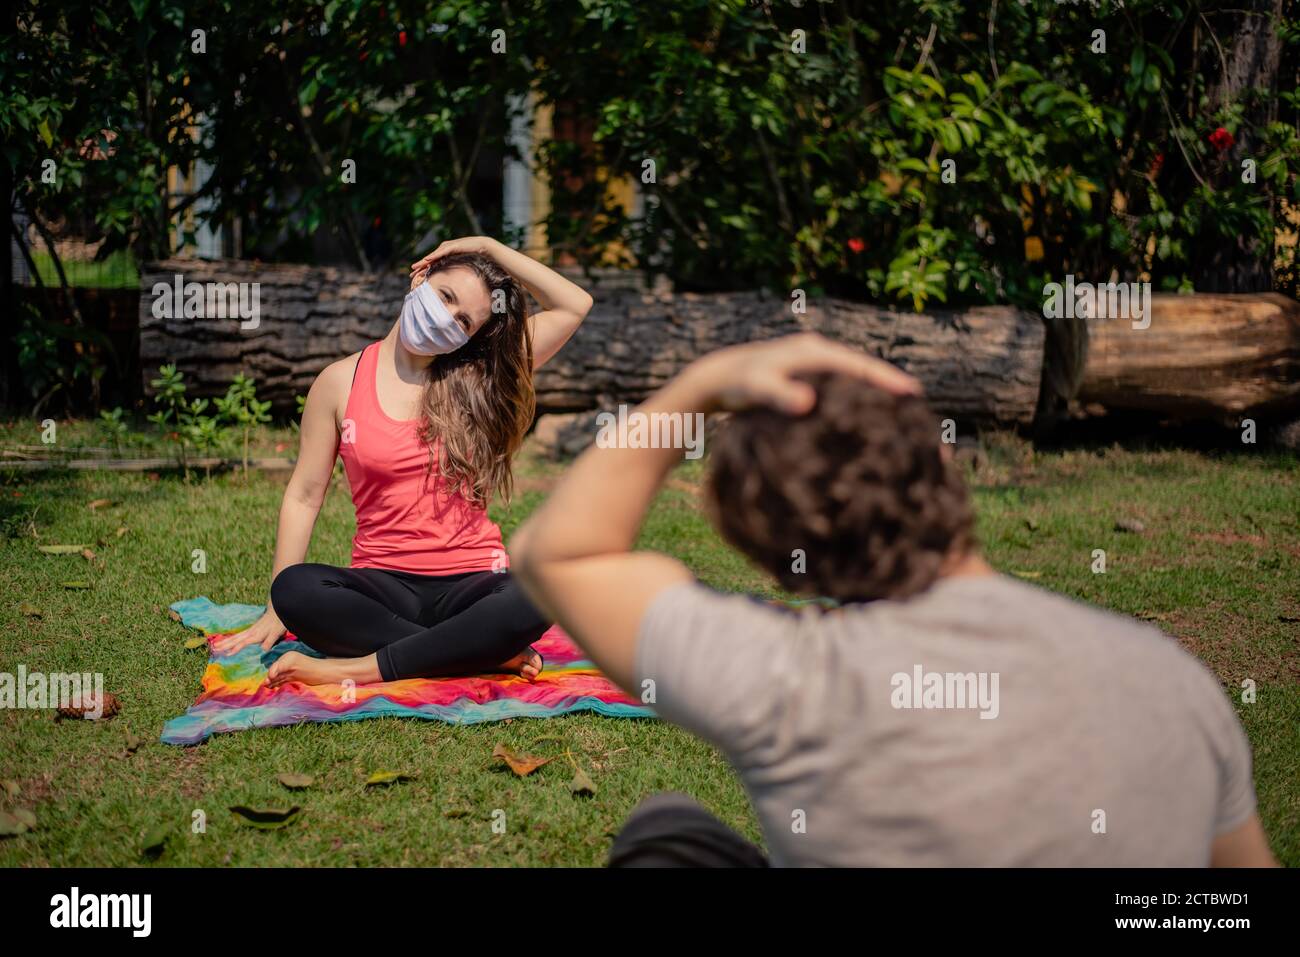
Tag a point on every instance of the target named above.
point(1212, 356)
point(1253, 54)
point(1204, 356)
point(981, 366)
point(308, 317)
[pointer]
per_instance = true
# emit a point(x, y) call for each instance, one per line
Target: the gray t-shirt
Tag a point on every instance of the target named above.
point(984, 722)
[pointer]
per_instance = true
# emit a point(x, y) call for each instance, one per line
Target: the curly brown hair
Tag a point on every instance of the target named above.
point(859, 484)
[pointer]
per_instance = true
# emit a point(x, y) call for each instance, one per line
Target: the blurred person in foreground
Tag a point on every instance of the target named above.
point(942, 714)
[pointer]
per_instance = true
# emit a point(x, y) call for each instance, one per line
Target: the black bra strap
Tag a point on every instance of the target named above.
point(358, 365)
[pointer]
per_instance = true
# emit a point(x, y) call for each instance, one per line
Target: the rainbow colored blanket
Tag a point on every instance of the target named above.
point(235, 695)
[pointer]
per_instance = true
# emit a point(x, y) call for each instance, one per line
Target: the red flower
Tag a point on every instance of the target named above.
point(1157, 163)
point(857, 245)
point(1221, 139)
point(401, 39)
point(364, 54)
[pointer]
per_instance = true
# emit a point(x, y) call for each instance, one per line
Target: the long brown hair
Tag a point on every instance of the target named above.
point(479, 400)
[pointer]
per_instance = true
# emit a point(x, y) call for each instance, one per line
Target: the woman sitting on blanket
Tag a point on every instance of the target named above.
point(426, 422)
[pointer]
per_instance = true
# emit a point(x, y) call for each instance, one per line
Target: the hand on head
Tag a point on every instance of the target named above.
point(767, 373)
point(466, 244)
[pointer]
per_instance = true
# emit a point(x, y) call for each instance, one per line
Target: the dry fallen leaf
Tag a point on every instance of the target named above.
point(28, 610)
point(155, 841)
point(87, 554)
point(582, 783)
point(296, 782)
point(108, 707)
point(99, 503)
point(61, 549)
point(388, 777)
point(28, 817)
point(18, 821)
point(522, 764)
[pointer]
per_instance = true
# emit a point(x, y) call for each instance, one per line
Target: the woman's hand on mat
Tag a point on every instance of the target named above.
point(764, 373)
point(466, 244)
point(266, 631)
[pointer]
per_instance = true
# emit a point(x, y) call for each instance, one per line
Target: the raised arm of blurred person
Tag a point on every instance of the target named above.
point(583, 573)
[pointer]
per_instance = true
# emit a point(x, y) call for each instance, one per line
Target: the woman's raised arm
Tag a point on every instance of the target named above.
point(564, 304)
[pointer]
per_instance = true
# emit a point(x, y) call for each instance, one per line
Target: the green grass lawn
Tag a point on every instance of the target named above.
point(118, 271)
point(1216, 566)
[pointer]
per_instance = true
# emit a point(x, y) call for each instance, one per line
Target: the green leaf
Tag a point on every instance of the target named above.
point(268, 819)
point(1137, 62)
point(950, 138)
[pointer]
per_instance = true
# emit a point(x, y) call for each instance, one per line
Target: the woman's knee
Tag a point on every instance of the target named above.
point(293, 589)
point(526, 615)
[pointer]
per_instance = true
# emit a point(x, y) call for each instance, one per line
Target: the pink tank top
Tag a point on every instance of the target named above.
point(406, 520)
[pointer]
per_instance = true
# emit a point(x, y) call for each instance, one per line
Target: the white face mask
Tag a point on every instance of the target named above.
point(427, 326)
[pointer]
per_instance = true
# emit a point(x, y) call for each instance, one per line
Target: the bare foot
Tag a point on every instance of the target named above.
point(295, 666)
point(527, 664)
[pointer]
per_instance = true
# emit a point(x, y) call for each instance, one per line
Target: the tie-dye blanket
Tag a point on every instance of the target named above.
point(235, 695)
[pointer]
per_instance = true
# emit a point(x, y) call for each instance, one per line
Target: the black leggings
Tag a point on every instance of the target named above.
point(418, 626)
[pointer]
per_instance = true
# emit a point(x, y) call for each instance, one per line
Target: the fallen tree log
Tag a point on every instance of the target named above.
point(980, 366)
point(1202, 356)
point(307, 318)
point(1216, 356)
